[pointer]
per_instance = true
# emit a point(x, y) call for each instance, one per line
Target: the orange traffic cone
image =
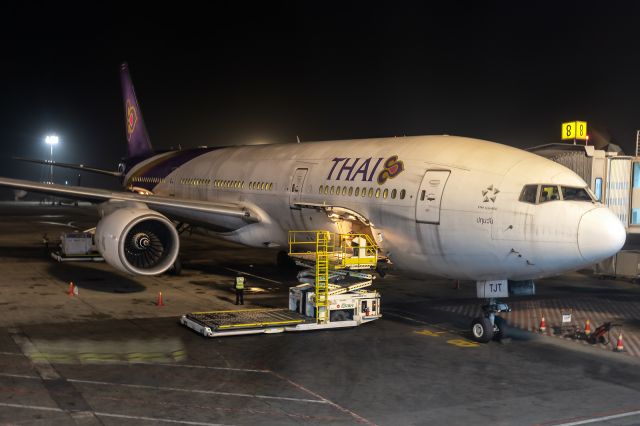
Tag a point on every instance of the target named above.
point(620, 345)
point(587, 328)
point(160, 302)
point(543, 325)
point(71, 288)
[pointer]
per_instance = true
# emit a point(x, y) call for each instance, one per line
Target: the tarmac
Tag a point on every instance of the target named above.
point(110, 355)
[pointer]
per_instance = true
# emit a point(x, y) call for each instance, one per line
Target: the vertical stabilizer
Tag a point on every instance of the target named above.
point(137, 138)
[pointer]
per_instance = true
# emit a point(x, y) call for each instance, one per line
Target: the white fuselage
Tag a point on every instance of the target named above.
point(460, 216)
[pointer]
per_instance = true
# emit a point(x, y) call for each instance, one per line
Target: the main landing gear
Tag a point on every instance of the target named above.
point(489, 325)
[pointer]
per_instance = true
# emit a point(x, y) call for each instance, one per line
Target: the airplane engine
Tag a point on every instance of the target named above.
point(138, 241)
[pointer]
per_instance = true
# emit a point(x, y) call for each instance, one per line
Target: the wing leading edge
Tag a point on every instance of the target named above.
point(225, 216)
point(71, 166)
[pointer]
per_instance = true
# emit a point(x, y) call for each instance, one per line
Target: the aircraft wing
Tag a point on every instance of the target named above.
point(70, 166)
point(225, 216)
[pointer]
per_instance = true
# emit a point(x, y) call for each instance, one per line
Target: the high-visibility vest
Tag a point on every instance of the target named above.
point(239, 283)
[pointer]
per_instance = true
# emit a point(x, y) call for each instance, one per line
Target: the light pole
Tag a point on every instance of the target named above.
point(51, 140)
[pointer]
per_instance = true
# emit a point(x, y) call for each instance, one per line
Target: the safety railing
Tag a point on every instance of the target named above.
point(352, 251)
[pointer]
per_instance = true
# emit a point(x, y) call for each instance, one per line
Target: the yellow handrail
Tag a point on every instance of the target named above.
point(347, 249)
point(322, 277)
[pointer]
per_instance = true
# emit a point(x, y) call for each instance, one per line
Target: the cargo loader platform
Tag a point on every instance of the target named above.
point(253, 321)
point(244, 321)
point(316, 303)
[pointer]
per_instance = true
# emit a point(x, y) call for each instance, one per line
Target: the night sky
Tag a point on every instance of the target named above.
point(212, 74)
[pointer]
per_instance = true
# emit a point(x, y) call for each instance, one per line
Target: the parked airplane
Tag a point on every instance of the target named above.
point(450, 206)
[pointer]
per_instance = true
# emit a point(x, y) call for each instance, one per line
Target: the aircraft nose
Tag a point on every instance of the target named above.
point(600, 234)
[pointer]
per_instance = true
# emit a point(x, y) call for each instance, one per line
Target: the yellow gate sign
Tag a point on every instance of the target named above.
point(574, 130)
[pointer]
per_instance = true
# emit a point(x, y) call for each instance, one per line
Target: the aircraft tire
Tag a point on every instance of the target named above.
point(481, 330)
point(501, 326)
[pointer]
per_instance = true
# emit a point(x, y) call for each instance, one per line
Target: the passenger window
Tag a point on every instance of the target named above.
point(344, 191)
point(529, 193)
point(326, 189)
point(549, 193)
point(363, 192)
point(320, 190)
point(370, 192)
point(402, 194)
point(378, 193)
point(357, 191)
point(385, 193)
point(331, 190)
point(350, 191)
point(393, 194)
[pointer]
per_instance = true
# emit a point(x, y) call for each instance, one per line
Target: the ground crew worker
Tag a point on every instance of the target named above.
point(239, 286)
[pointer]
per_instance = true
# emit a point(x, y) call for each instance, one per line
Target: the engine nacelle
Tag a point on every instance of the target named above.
point(138, 241)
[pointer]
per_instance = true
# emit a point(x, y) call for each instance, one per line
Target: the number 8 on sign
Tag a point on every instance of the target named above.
point(581, 130)
point(568, 130)
point(574, 130)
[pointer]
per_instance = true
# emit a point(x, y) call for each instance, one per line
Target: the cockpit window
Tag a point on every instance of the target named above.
point(537, 194)
point(549, 193)
point(529, 194)
point(575, 194)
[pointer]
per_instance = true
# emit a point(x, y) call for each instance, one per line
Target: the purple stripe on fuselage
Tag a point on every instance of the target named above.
point(161, 167)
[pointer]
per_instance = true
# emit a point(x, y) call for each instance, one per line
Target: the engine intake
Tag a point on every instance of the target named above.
point(138, 241)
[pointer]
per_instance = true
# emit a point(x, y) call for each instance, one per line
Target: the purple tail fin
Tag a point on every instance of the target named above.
point(137, 138)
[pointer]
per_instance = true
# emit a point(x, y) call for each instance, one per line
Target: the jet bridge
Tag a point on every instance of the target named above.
point(611, 176)
point(614, 179)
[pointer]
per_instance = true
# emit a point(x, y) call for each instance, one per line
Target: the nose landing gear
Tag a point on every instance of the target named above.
point(489, 325)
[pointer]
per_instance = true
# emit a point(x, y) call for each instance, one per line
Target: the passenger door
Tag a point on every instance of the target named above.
point(297, 184)
point(430, 196)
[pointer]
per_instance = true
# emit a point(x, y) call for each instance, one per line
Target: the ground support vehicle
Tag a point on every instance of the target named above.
point(333, 292)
